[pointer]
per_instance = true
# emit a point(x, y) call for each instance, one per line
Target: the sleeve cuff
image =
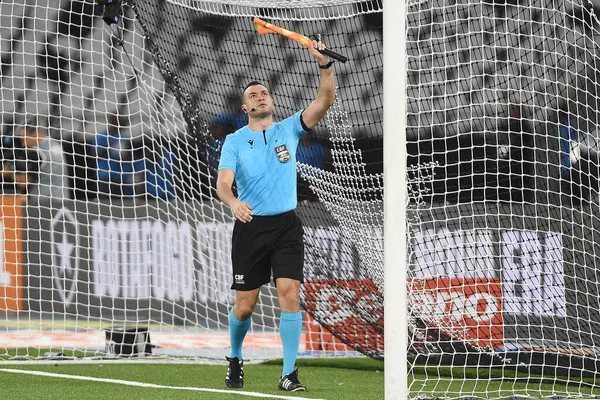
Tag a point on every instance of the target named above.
point(303, 124)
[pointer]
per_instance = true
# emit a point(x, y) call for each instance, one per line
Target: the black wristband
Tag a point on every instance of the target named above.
point(326, 66)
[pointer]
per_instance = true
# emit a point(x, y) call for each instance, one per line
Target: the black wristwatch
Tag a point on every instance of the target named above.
point(326, 66)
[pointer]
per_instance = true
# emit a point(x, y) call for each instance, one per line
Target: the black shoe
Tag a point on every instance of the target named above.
point(235, 373)
point(291, 383)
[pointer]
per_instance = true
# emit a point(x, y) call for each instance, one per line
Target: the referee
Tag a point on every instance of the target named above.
point(268, 235)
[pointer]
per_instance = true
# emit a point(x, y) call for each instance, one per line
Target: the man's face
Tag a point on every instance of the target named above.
point(258, 102)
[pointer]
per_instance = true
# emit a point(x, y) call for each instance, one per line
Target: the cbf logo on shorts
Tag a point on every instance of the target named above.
point(283, 155)
point(239, 279)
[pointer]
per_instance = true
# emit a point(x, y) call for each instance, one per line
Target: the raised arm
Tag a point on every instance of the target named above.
point(326, 94)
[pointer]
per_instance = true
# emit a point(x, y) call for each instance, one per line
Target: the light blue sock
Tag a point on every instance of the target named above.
point(237, 333)
point(290, 330)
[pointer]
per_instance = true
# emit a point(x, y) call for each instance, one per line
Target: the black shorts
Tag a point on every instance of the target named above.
point(273, 243)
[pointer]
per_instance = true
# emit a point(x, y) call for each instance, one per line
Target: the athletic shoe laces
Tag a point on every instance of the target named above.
point(235, 370)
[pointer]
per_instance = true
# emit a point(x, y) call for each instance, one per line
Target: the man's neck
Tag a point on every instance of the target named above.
point(260, 124)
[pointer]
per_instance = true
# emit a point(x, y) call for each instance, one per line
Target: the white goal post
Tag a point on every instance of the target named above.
point(395, 201)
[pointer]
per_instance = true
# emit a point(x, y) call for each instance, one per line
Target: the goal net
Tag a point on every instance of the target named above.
point(133, 256)
point(120, 245)
point(502, 118)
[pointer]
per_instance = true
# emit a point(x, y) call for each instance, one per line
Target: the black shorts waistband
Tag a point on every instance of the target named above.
point(290, 213)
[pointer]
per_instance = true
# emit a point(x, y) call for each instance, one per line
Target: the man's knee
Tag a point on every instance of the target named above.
point(244, 305)
point(288, 291)
point(243, 311)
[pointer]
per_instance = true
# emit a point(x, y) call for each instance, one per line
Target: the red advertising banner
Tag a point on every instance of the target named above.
point(466, 308)
point(329, 302)
point(11, 253)
point(317, 338)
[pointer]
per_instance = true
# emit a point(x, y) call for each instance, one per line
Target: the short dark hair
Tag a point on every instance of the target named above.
point(253, 83)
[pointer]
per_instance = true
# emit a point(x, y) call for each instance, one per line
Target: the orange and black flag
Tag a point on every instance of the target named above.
point(265, 27)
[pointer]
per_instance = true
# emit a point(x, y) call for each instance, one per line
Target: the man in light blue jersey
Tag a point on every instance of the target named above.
point(268, 235)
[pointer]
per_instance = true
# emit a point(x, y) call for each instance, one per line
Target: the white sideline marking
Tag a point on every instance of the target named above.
point(150, 385)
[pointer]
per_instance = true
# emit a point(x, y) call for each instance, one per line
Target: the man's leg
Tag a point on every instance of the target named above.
point(250, 270)
point(290, 328)
point(239, 323)
point(239, 319)
point(287, 262)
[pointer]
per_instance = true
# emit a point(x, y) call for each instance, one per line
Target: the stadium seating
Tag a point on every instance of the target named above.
point(95, 76)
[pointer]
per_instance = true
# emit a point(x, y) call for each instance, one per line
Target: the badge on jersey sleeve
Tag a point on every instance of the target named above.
point(283, 155)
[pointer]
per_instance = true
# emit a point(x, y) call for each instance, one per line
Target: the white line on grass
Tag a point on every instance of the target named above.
point(150, 385)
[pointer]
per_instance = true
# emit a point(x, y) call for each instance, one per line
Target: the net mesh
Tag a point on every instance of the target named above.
point(285, 10)
point(136, 113)
point(501, 140)
point(242, 56)
point(502, 178)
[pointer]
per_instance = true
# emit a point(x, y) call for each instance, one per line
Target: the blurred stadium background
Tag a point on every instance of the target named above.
point(502, 151)
point(139, 110)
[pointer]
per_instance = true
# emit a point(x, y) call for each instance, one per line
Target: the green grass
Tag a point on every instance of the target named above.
point(496, 388)
point(326, 379)
point(37, 353)
point(452, 382)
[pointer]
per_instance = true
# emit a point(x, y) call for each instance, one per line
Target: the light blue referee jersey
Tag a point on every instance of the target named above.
point(264, 163)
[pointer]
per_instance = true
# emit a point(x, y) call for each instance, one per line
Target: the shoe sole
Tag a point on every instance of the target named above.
point(234, 386)
point(301, 389)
